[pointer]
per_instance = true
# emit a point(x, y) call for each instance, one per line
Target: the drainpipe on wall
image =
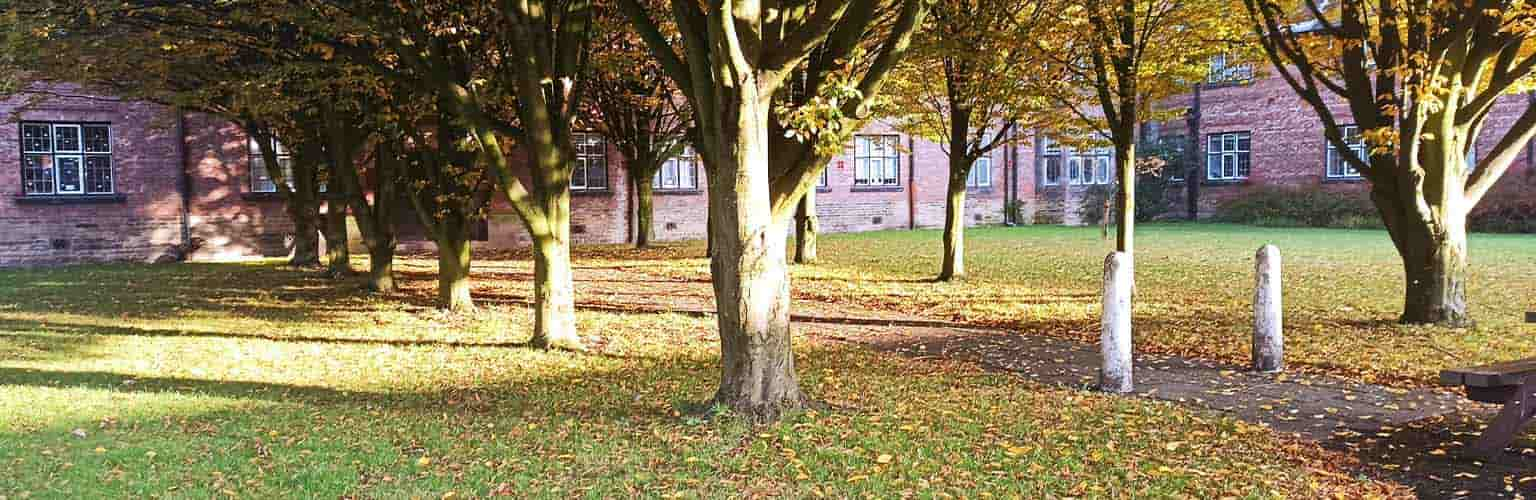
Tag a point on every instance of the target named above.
point(911, 183)
point(631, 210)
point(1193, 173)
point(185, 186)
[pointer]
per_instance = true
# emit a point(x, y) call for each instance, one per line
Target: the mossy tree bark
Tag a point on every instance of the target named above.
point(644, 210)
point(953, 266)
point(338, 256)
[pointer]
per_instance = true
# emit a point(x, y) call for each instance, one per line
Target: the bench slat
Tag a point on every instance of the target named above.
point(1494, 375)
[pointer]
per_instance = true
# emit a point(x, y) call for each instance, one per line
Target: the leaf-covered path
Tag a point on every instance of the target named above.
point(1416, 436)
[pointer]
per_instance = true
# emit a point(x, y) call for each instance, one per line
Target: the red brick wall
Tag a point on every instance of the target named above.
point(1288, 147)
point(142, 223)
point(227, 219)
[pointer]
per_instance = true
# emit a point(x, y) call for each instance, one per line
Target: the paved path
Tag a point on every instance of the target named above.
point(1313, 406)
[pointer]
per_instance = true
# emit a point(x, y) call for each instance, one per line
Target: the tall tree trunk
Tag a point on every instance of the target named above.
point(1435, 272)
point(954, 223)
point(453, 263)
point(1125, 198)
point(305, 213)
point(1435, 260)
point(381, 267)
point(806, 227)
point(749, 267)
point(338, 256)
point(644, 210)
point(554, 295)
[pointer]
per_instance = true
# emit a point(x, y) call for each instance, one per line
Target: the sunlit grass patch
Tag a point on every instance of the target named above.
point(306, 390)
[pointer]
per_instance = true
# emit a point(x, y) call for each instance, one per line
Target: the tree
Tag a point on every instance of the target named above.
point(500, 71)
point(985, 93)
point(1125, 56)
point(639, 109)
point(736, 56)
point(1419, 80)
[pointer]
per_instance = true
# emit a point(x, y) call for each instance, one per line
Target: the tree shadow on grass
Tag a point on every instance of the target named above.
point(57, 333)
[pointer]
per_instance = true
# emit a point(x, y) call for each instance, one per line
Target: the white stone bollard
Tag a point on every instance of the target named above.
point(1115, 342)
point(1268, 322)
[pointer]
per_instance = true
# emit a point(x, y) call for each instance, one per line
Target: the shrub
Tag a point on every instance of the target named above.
point(1151, 199)
point(1509, 217)
point(1292, 207)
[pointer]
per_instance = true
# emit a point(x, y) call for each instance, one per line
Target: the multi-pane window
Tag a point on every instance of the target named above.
point(1050, 163)
point(876, 160)
point(981, 173)
point(591, 173)
point(1338, 166)
point(261, 176)
point(1227, 69)
point(1227, 156)
point(66, 158)
point(681, 173)
point(823, 181)
point(1090, 166)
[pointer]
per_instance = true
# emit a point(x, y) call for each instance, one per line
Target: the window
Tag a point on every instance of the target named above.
point(1226, 69)
point(981, 173)
point(1227, 156)
point(681, 173)
point(261, 176)
point(66, 158)
point(591, 173)
point(876, 160)
point(1050, 163)
point(823, 181)
point(1090, 166)
point(1338, 166)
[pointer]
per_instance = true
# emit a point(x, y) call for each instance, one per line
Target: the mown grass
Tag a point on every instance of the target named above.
point(250, 380)
point(1343, 292)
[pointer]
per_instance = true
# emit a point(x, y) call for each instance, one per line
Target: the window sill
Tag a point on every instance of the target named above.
point(1209, 85)
point(1223, 182)
point(876, 189)
point(70, 199)
point(823, 189)
point(592, 192)
point(261, 196)
point(677, 192)
point(979, 190)
point(1343, 180)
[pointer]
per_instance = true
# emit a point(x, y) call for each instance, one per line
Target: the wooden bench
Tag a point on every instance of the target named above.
point(1512, 384)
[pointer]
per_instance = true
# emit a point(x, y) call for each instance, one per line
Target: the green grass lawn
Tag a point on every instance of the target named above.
point(251, 380)
point(1343, 291)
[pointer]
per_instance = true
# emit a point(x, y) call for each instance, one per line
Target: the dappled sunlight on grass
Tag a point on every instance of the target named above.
point(1343, 291)
point(308, 390)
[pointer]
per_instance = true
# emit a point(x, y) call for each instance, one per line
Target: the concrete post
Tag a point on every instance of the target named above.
point(1268, 323)
point(1115, 342)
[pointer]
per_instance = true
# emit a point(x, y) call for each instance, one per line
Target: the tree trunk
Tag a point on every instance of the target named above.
point(554, 296)
point(1435, 272)
point(305, 214)
point(453, 259)
point(1125, 165)
point(644, 211)
point(381, 268)
point(954, 226)
point(806, 227)
point(749, 267)
point(338, 256)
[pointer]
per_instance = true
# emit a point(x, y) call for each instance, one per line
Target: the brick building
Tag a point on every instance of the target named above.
point(95, 178)
point(99, 179)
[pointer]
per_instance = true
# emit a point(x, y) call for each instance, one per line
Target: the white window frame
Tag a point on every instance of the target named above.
point(679, 173)
point(981, 173)
point(261, 180)
point(824, 180)
point(1339, 168)
point(1090, 167)
point(876, 160)
point(54, 157)
point(1050, 150)
point(1226, 153)
point(588, 161)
